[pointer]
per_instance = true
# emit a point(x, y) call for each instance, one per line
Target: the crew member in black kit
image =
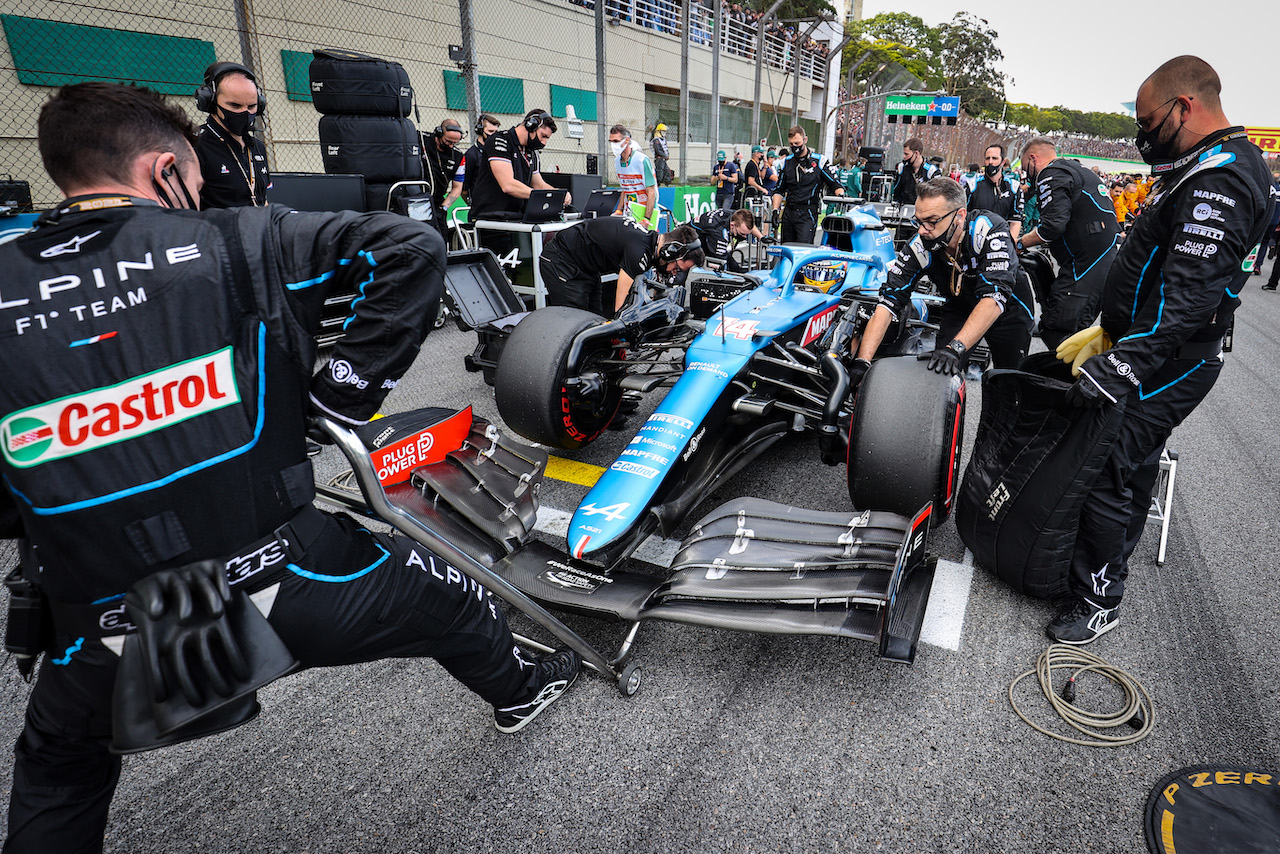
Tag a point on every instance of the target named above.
point(233, 162)
point(1078, 222)
point(1169, 301)
point(804, 174)
point(442, 162)
point(994, 192)
point(575, 259)
point(170, 430)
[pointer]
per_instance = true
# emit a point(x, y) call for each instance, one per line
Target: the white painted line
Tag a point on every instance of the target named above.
point(944, 617)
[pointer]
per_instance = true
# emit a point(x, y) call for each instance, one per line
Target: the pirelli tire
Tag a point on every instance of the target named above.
point(905, 438)
point(529, 385)
point(354, 84)
point(382, 149)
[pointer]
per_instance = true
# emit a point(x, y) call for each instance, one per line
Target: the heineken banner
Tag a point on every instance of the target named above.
point(922, 105)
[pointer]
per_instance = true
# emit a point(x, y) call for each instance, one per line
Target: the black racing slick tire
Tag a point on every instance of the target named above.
point(905, 438)
point(345, 83)
point(529, 386)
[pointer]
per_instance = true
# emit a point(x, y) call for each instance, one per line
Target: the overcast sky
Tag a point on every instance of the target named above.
point(1092, 55)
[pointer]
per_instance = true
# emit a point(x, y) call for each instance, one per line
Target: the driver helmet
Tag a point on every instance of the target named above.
point(823, 275)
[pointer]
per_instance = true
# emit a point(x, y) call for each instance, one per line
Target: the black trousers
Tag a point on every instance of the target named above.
point(355, 596)
point(798, 226)
point(1115, 512)
point(1073, 303)
point(1007, 339)
point(568, 284)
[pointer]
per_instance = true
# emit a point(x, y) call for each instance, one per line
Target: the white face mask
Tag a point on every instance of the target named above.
point(617, 148)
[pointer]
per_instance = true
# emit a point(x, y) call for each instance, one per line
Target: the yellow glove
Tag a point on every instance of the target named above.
point(1069, 347)
point(1098, 344)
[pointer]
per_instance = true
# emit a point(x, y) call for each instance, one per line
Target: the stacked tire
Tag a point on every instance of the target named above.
point(364, 128)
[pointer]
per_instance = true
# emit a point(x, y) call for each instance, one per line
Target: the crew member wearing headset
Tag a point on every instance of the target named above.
point(233, 162)
point(442, 162)
point(486, 126)
point(578, 256)
point(509, 172)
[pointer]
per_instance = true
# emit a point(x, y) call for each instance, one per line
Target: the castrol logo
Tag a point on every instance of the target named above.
point(82, 422)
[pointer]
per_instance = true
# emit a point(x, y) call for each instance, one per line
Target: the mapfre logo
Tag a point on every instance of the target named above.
point(817, 325)
point(82, 422)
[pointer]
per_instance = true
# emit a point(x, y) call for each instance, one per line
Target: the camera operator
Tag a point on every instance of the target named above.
point(233, 162)
point(912, 170)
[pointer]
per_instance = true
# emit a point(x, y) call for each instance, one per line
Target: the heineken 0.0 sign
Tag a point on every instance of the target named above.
point(922, 105)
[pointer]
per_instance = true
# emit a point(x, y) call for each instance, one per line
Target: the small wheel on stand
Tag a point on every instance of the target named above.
point(630, 679)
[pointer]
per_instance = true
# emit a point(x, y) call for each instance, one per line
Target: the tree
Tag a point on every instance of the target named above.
point(967, 57)
point(792, 10)
point(888, 38)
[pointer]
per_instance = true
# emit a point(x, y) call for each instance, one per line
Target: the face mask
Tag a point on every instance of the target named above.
point(238, 123)
point(797, 150)
point(1032, 174)
point(992, 170)
point(1149, 145)
point(933, 244)
point(616, 147)
point(534, 143)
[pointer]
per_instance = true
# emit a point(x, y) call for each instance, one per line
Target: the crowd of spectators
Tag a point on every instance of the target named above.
point(741, 24)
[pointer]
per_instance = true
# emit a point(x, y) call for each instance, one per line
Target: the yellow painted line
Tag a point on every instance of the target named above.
point(583, 474)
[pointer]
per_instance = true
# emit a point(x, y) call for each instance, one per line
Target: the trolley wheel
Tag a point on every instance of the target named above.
point(630, 679)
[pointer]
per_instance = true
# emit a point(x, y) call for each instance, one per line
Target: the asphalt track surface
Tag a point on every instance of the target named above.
point(745, 743)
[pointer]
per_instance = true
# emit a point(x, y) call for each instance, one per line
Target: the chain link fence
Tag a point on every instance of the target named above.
point(507, 57)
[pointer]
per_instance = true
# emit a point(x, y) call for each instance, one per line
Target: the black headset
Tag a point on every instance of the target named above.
point(675, 252)
point(533, 121)
point(441, 130)
point(207, 94)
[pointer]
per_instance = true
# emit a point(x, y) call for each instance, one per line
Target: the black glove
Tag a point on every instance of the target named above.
point(1085, 394)
point(186, 637)
point(857, 371)
point(776, 218)
point(949, 360)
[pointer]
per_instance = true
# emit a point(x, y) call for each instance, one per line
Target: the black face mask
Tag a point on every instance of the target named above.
point(797, 150)
point(1032, 173)
point(1154, 151)
point(534, 144)
point(992, 170)
point(238, 123)
point(933, 244)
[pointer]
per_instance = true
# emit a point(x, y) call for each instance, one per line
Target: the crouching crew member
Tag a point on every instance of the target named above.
point(720, 232)
point(573, 262)
point(970, 257)
point(184, 418)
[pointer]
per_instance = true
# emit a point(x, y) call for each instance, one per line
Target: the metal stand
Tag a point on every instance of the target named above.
point(1162, 499)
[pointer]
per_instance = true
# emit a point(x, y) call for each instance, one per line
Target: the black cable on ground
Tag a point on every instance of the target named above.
point(1137, 714)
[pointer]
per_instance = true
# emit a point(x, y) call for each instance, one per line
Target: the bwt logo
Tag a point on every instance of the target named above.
point(342, 372)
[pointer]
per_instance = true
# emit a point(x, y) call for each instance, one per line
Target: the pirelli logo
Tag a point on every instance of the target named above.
point(82, 422)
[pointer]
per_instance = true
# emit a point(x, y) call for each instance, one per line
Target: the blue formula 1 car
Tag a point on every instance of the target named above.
point(745, 361)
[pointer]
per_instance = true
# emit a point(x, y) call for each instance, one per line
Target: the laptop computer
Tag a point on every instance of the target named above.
point(601, 203)
point(544, 205)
